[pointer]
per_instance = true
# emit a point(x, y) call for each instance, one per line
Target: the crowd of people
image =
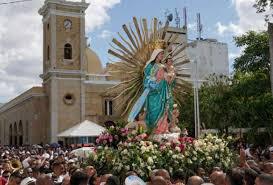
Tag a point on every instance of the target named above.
point(51, 166)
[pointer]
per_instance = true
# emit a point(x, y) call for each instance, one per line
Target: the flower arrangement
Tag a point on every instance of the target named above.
point(136, 152)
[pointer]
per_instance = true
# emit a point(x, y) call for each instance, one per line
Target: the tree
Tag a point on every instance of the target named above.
point(255, 56)
point(261, 5)
point(244, 100)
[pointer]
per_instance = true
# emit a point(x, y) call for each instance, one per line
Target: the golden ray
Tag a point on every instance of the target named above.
point(126, 30)
point(124, 40)
point(138, 30)
point(121, 46)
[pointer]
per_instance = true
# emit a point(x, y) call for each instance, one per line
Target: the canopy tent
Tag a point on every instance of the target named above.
point(84, 129)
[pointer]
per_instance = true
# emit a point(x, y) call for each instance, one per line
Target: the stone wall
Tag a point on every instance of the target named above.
point(25, 119)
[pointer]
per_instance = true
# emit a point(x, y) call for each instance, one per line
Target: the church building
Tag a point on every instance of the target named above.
point(74, 87)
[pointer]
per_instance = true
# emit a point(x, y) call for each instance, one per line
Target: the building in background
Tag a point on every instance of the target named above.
point(211, 57)
point(74, 85)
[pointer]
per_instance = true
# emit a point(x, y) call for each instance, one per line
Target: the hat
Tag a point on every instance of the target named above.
point(27, 181)
point(71, 161)
point(134, 180)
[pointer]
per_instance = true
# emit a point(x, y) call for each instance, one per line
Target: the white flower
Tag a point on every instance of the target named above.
point(143, 149)
point(218, 141)
point(222, 145)
point(229, 137)
point(194, 158)
point(150, 160)
point(209, 158)
point(168, 144)
point(125, 151)
point(178, 149)
point(189, 161)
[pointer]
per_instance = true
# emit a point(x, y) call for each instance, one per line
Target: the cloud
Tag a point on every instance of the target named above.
point(248, 19)
point(97, 13)
point(105, 34)
point(232, 28)
point(233, 55)
point(21, 42)
point(192, 26)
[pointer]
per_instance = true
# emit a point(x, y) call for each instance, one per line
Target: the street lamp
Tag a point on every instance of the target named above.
point(196, 101)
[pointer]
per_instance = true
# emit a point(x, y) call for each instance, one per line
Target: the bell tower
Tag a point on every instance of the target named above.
point(64, 62)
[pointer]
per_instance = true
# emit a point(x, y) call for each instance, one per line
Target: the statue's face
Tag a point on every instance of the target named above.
point(159, 57)
point(169, 62)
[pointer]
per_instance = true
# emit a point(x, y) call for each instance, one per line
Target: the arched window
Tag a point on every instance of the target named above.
point(20, 133)
point(10, 134)
point(15, 133)
point(67, 51)
point(27, 132)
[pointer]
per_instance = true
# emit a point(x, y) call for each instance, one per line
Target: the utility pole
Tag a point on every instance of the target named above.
point(270, 33)
point(196, 101)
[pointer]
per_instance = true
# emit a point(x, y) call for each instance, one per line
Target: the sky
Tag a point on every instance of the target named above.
point(21, 31)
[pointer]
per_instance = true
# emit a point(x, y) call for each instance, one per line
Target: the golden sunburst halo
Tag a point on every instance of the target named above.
point(134, 50)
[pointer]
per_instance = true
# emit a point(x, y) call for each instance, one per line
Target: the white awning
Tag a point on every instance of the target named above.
point(84, 129)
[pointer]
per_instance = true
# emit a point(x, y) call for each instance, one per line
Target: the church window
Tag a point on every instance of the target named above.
point(69, 99)
point(108, 108)
point(68, 51)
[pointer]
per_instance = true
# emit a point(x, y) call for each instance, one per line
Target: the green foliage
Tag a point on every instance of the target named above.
point(261, 5)
point(186, 117)
point(255, 56)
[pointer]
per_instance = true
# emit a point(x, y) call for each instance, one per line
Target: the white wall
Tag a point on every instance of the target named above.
point(211, 57)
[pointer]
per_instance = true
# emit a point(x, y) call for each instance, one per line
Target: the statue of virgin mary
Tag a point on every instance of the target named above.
point(156, 98)
point(148, 86)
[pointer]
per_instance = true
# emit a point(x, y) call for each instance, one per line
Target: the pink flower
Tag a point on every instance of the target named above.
point(182, 147)
point(116, 137)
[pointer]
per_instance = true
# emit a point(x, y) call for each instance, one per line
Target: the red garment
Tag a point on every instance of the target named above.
point(3, 181)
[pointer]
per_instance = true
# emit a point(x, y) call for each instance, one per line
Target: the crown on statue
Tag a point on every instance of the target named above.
point(159, 44)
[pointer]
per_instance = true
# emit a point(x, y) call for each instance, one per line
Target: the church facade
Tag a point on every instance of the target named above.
point(75, 85)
